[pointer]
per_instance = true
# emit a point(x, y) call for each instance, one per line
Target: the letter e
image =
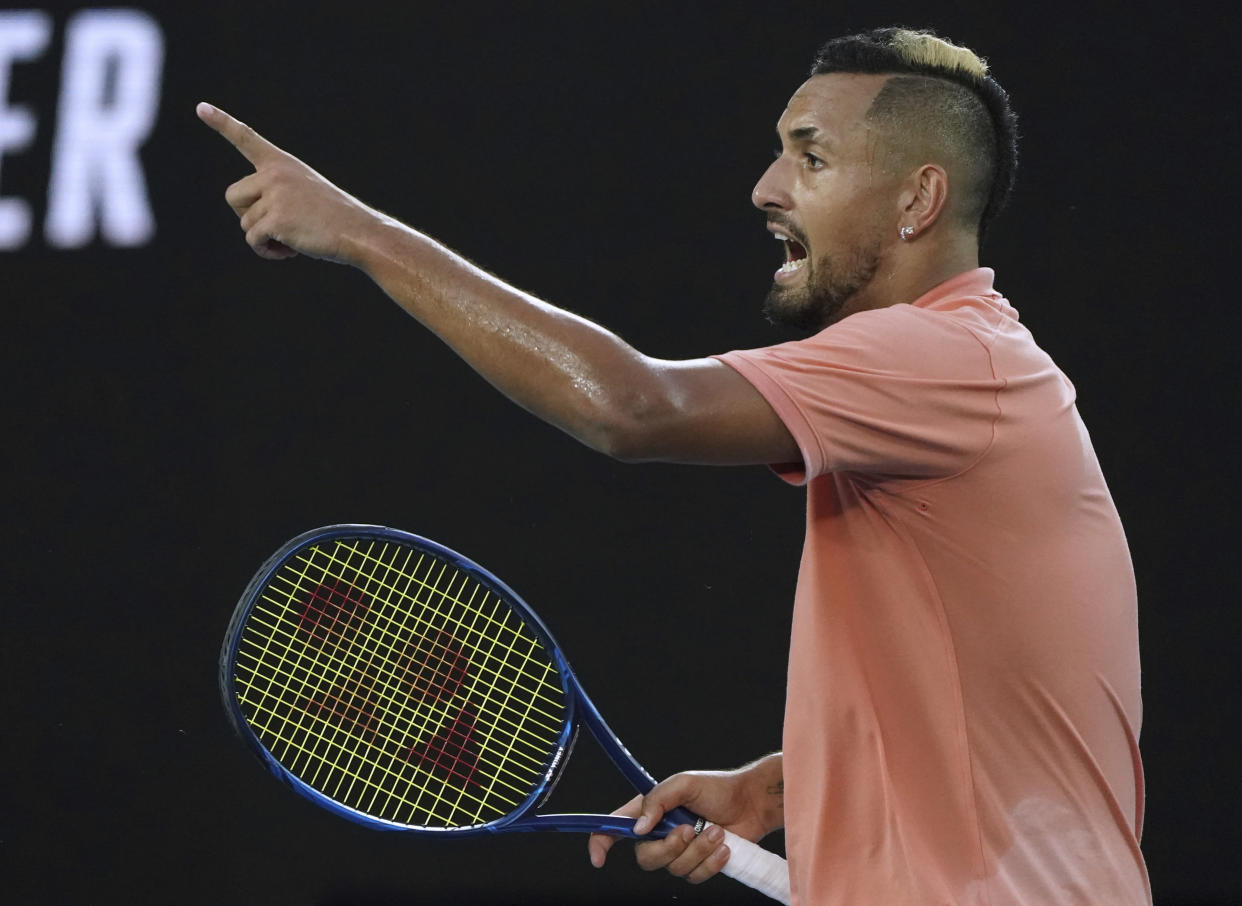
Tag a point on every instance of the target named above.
point(23, 36)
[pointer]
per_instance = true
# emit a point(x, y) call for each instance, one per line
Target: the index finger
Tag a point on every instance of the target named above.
point(254, 147)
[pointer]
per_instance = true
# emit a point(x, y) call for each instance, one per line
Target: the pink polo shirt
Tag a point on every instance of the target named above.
point(963, 708)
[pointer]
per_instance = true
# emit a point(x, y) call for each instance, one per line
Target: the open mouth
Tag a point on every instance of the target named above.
point(795, 254)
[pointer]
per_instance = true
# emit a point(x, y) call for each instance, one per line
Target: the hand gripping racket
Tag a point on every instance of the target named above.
point(398, 684)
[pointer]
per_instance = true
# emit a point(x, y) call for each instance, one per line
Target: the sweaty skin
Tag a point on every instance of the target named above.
point(825, 190)
point(562, 368)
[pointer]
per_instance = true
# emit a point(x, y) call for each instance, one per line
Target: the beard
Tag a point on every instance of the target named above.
point(830, 283)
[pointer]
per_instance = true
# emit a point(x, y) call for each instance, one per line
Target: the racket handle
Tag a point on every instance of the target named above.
point(756, 867)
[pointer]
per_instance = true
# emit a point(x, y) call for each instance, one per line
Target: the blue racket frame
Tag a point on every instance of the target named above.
point(580, 710)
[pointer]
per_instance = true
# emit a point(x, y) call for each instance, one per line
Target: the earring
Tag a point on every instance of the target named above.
point(906, 232)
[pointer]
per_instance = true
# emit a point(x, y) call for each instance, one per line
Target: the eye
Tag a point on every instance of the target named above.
point(812, 162)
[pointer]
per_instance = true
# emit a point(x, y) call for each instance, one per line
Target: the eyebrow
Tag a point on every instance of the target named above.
point(813, 134)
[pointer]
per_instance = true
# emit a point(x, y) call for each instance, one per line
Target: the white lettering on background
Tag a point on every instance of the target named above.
point(23, 37)
point(109, 98)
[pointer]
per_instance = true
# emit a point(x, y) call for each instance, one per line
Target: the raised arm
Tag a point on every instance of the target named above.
point(566, 370)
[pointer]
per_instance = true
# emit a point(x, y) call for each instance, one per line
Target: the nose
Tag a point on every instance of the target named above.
point(770, 193)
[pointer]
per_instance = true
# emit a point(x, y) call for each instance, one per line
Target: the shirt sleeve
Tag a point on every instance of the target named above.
point(896, 393)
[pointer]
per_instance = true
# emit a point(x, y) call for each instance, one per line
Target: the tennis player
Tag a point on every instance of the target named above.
point(963, 705)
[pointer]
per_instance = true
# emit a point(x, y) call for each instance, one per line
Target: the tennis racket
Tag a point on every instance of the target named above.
point(400, 685)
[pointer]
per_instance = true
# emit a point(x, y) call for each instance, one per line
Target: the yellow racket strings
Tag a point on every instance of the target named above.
point(395, 683)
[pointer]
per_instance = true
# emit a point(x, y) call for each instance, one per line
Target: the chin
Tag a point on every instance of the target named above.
point(802, 308)
point(823, 297)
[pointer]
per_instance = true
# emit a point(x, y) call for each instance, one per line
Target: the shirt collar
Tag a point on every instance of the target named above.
point(971, 284)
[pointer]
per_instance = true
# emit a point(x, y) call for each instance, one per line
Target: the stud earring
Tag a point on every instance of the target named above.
point(906, 232)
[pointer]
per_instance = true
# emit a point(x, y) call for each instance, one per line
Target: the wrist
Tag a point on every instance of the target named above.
point(369, 239)
point(765, 784)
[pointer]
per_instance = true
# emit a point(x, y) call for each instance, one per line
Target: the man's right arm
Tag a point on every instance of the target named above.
point(562, 368)
point(571, 372)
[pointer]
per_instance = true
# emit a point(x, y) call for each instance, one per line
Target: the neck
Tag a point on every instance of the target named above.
point(909, 270)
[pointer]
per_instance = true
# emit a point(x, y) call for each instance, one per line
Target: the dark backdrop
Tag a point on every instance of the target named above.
point(175, 411)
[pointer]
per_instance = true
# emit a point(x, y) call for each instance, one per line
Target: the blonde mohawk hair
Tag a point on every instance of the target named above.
point(922, 48)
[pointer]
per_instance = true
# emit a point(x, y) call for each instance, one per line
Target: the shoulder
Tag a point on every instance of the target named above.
point(899, 339)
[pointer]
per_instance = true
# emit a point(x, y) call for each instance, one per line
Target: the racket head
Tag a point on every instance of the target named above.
point(397, 683)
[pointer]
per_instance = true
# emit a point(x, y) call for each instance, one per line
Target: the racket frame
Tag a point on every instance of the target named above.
point(579, 709)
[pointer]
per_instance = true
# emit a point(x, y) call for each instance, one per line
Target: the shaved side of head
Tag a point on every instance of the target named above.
point(939, 106)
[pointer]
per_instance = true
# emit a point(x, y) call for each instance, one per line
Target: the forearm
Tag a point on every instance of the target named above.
point(561, 367)
point(564, 369)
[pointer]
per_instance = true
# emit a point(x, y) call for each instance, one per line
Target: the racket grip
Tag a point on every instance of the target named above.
point(757, 867)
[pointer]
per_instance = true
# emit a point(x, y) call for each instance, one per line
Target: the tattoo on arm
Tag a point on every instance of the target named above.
point(778, 790)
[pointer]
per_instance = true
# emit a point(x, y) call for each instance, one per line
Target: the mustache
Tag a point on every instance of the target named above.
point(786, 226)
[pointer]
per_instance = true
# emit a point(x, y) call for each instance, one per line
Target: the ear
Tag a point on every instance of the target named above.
point(924, 198)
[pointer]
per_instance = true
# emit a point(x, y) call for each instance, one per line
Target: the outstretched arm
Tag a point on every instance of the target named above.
point(564, 369)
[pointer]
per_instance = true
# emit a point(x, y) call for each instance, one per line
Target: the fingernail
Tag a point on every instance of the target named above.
point(715, 834)
point(640, 826)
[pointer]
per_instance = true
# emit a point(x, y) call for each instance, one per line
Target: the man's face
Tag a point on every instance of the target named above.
point(830, 202)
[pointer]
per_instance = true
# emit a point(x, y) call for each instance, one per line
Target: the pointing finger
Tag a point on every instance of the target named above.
point(254, 147)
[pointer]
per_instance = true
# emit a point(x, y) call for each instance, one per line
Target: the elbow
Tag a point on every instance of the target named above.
point(624, 430)
point(620, 440)
point(634, 416)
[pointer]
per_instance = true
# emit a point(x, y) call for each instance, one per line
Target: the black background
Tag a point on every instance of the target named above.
point(175, 412)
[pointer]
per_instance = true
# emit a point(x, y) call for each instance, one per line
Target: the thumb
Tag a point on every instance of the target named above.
point(650, 817)
point(661, 799)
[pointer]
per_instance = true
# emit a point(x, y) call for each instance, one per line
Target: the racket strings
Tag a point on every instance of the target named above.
point(393, 682)
point(474, 635)
point(337, 792)
point(454, 738)
point(439, 746)
point(347, 664)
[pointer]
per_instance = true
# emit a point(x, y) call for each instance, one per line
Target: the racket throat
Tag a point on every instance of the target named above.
point(555, 769)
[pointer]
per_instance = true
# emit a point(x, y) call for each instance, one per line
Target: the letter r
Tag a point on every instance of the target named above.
point(109, 97)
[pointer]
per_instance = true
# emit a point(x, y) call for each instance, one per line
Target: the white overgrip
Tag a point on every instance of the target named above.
point(756, 867)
